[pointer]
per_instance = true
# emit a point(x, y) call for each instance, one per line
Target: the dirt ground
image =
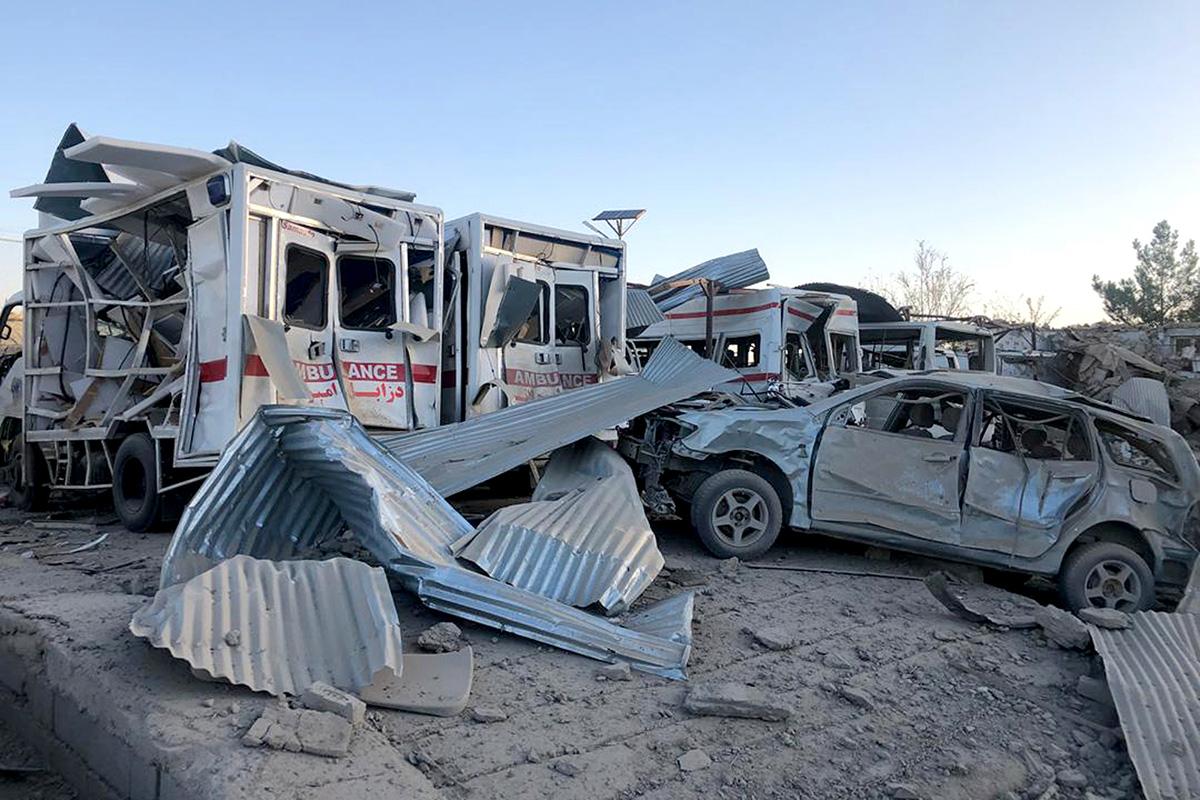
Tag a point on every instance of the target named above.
point(891, 695)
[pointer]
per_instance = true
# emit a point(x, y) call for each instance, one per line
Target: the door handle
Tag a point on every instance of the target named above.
point(937, 458)
point(316, 349)
point(349, 345)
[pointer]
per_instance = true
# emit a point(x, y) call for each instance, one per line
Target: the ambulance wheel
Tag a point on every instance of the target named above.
point(31, 495)
point(135, 484)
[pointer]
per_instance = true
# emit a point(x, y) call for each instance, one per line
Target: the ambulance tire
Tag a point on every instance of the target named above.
point(135, 484)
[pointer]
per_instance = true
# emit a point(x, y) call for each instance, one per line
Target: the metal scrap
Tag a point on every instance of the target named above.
point(939, 586)
point(1153, 671)
point(590, 544)
point(456, 457)
point(279, 627)
point(733, 271)
point(294, 478)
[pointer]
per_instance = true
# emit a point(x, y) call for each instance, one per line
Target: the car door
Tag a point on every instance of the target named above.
point(892, 459)
point(1030, 463)
point(528, 350)
point(368, 295)
point(575, 317)
point(304, 309)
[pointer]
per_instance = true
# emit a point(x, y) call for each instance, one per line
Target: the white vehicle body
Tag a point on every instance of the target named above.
point(223, 287)
point(900, 347)
point(536, 311)
point(777, 338)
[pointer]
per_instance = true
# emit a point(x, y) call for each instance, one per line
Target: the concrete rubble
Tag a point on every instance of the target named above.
point(300, 731)
point(1063, 628)
point(734, 700)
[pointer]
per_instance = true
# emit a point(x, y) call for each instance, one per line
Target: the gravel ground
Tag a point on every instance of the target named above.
point(891, 695)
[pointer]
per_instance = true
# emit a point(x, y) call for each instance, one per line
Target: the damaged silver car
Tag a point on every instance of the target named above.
point(1014, 475)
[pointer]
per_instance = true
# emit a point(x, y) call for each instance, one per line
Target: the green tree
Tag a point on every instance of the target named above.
point(1163, 288)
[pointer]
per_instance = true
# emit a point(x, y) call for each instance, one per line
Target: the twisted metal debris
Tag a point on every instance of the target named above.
point(293, 479)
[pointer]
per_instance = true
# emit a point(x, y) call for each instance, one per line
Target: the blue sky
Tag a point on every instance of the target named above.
point(1030, 141)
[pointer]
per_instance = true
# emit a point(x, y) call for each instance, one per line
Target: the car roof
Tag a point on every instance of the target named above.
point(998, 383)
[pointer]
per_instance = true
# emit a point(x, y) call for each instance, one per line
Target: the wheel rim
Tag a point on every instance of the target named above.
point(1113, 584)
point(739, 517)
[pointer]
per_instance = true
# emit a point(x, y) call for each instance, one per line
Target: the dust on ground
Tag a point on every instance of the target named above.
point(891, 695)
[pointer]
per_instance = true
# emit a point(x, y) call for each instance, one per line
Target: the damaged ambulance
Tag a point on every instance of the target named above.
point(1017, 476)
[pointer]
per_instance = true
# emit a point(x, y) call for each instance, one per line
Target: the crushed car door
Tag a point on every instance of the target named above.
point(575, 317)
point(307, 256)
point(370, 352)
point(897, 469)
point(1030, 465)
point(517, 320)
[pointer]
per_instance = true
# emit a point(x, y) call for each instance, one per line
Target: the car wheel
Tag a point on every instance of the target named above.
point(1106, 575)
point(31, 495)
point(737, 513)
point(135, 484)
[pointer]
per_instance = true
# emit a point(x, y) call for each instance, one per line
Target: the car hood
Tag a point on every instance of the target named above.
point(777, 433)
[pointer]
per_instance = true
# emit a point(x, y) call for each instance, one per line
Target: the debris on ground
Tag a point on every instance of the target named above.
point(487, 714)
point(989, 605)
point(775, 638)
point(329, 606)
point(444, 637)
point(614, 672)
point(1108, 618)
point(429, 683)
point(734, 700)
point(300, 731)
point(1153, 674)
point(1063, 628)
point(321, 466)
point(321, 696)
point(694, 760)
point(583, 539)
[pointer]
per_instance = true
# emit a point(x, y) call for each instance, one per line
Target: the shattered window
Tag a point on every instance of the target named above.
point(741, 352)
point(306, 295)
point(645, 348)
point(793, 357)
point(421, 286)
point(845, 349)
point(1132, 449)
point(571, 315)
point(932, 413)
point(1033, 432)
point(536, 329)
point(368, 292)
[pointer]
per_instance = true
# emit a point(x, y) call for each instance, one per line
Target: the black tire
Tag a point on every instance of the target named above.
point(135, 484)
point(1106, 575)
point(751, 506)
point(31, 495)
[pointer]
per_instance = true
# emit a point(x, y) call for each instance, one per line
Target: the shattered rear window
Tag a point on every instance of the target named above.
point(1131, 449)
point(368, 294)
point(306, 296)
point(1033, 432)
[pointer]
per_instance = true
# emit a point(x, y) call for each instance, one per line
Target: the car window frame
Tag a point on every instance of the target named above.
point(961, 436)
point(1049, 405)
point(1172, 479)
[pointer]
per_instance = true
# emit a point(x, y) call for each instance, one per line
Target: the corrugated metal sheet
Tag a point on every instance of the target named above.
point(1190, 602)
point(640, 310)
point(592, 544)
point(1153, 671)
point(456, 457)
point(296, 477)
point(734, 271)
point(1145, 397)
point(299, 622)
